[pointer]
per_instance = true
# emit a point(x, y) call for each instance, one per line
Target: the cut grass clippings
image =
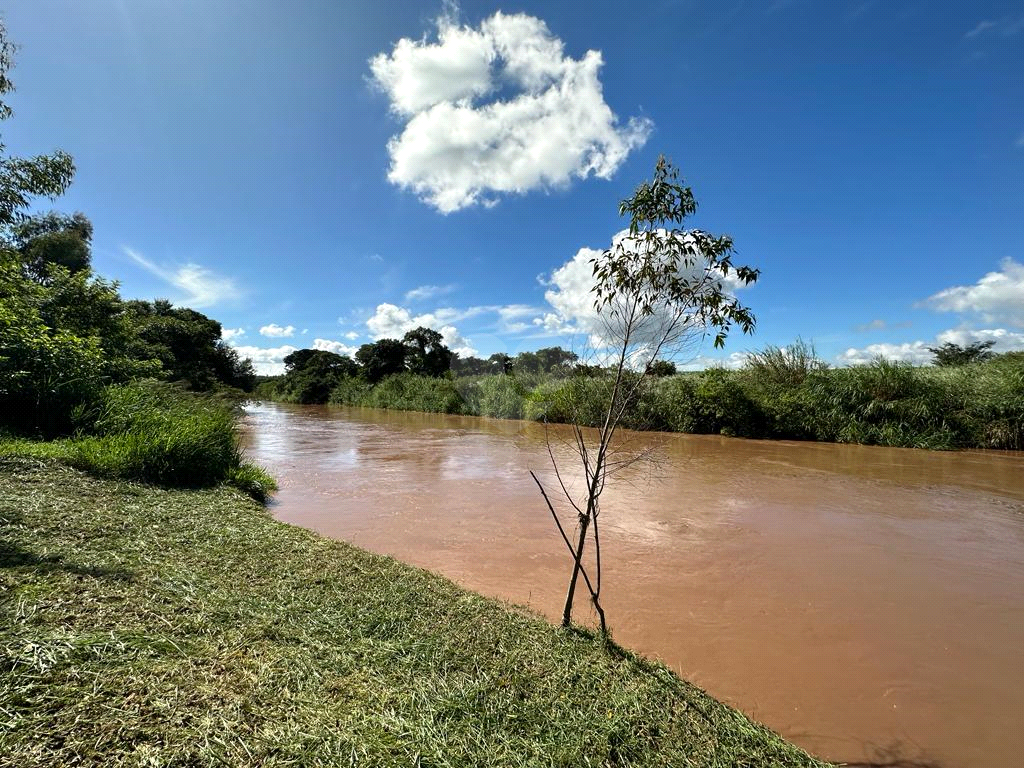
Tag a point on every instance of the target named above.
point(145, 626)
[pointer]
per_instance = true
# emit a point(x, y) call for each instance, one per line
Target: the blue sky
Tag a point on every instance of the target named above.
point(326, 173)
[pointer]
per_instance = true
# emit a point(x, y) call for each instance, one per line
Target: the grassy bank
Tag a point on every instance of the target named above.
point(969, 406)
point(157, 433)
point(149, 626)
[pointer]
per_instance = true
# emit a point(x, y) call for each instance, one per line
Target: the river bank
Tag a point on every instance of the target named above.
point(152, 626)
point(863, 602)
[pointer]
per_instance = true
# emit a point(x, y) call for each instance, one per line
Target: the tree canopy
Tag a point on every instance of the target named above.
point(950, 354)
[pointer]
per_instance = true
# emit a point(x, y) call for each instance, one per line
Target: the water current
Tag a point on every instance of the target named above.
point(865, 602)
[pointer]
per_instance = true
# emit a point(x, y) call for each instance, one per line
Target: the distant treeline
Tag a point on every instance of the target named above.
point(781, 393)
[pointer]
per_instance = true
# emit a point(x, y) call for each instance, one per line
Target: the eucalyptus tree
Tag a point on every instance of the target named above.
point(659, 292)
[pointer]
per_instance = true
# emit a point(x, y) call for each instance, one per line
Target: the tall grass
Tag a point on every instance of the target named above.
point(157, 433)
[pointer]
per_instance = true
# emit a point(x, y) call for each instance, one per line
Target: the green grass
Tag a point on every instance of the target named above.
point(156, 433)
point(143, 626)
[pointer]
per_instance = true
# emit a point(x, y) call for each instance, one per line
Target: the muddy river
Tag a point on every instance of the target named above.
point(867, 603)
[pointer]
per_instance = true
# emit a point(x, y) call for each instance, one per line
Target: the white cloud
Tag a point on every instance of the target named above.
point(393, 322)
point(227, 334)
point(428, 292)
point(267, 362)
point(467, 140)
point(917, 352)
point(352, 335)
point(336, 347)
point(200, 287)
point(998, 296)
point(276, 331)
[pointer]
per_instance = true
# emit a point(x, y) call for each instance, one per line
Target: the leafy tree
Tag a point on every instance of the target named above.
point(658, 291)
point(552, 359)
point(53, 240)
point(950, 354)
point(188, 345)
point(425, 353)
point(468, 366)
point(661, 368)
point(499, 362)
point(381, 358)
point(311, 374)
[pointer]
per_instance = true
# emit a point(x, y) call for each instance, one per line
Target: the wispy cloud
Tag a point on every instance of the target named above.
point(1005, 26)
point(428, 292)
point(199, 287)
point(276, 331)
point(982, 27)
point(1020, 140)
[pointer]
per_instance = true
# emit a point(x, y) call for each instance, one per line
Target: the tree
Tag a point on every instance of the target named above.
point(553, 359)
point(659, 368)
point(950, 354)
point(53, 240)
point(499, 362)
point(381, 358)
point(425, 353)
point(659, 290)
point(311, 374)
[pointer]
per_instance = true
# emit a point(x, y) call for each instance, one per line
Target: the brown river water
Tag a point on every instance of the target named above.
point(867, 603)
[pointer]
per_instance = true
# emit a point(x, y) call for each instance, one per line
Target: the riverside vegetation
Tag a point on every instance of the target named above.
point(779, 393)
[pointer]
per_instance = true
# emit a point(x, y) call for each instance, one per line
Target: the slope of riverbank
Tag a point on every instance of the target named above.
point(149, 626)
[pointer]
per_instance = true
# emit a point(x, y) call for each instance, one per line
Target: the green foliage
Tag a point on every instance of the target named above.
point(188, 345)
point(710, 402)
point(409, 392)
point(661, 368)
point(157, 433)
point(499, 397)
point(425, 354)
point(883, 403)
point(385, 357)
point(53, 240)
point(311, 375)
point(950, 354)
point(663, 269)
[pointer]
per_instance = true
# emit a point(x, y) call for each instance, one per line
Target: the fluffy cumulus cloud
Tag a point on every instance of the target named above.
point(267, 362)
point(570, 294)
point(230, 334)
point(352, 335)
point(276, 331)
point(336, 347)
point(998, 296)
point(495, 110)
point(392, 322)
point(197, 286)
